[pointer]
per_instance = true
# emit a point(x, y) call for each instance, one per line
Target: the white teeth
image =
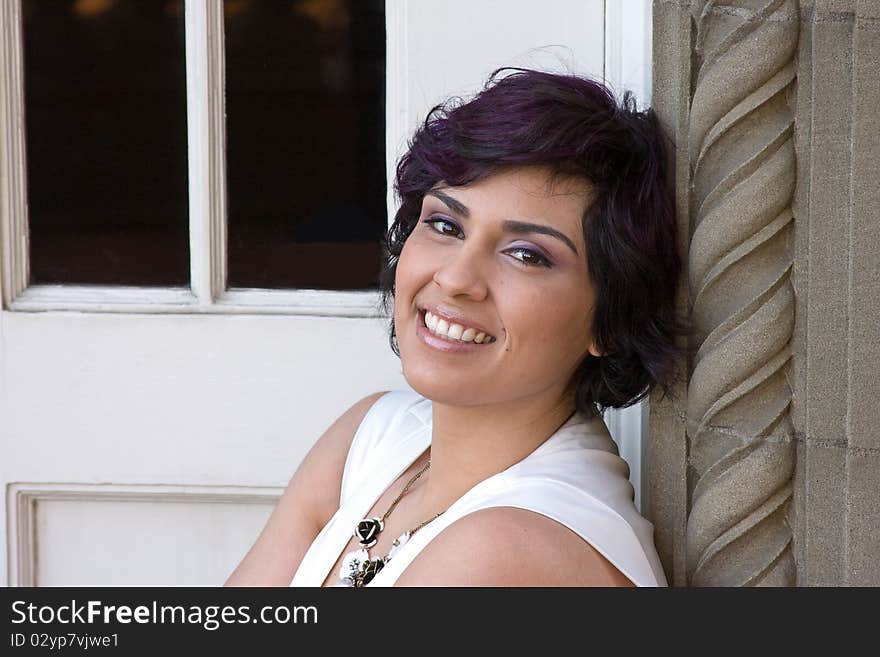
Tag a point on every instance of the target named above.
point(454, 331)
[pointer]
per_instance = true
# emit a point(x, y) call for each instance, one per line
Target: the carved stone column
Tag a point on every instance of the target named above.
point(740, 436)
point(733, 125)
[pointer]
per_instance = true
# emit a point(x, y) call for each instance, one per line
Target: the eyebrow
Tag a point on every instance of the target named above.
point(509, 225)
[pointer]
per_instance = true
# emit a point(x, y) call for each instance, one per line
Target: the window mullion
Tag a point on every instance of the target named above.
point(397, 102)
point(206, 148)
point(13, 185)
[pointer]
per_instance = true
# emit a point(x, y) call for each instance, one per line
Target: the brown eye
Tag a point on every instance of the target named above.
point(532, 258)
point(440, 221)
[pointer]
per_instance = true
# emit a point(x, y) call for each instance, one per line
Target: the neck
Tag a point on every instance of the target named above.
point(471, 443)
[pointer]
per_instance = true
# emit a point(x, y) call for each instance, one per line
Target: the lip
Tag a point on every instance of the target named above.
point(444, 344)
point(454, 317)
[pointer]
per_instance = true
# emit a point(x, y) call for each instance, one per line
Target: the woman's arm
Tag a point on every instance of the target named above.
point(308, 502)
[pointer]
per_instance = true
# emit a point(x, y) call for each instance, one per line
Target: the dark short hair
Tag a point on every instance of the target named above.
point(575, 127)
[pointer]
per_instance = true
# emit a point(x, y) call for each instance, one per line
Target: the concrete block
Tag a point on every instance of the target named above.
point(828, 226)
point(824, 518)
point(864, 292)
point(863, 518)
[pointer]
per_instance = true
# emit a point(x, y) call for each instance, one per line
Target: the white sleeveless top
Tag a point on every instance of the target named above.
point(575, 477)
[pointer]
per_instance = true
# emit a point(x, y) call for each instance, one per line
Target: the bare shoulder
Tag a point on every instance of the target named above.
point(308, 502)
point(322, 468)
point(508, 546)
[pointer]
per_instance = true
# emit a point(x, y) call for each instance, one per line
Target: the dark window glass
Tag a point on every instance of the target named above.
point(305, 106)
point(105, 116)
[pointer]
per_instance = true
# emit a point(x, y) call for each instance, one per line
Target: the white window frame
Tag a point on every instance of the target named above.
point(628, 66)
point(207, 293)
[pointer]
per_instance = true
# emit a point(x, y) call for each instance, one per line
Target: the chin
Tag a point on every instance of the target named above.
point(450, 392)
point(445, 378)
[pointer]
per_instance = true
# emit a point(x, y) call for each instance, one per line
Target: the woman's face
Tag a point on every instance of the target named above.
point(472, 260)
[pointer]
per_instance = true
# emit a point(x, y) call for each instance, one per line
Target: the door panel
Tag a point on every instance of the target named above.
point(152, 529)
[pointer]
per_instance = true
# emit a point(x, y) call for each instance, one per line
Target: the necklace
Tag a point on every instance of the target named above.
point(358, 569)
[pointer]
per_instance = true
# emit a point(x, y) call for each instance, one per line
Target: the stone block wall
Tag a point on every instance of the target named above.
point(765, 462)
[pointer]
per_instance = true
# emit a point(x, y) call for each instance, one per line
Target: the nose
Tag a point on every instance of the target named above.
point(462, 274)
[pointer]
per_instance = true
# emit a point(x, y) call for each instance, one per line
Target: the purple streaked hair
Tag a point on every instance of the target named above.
point(575, 127)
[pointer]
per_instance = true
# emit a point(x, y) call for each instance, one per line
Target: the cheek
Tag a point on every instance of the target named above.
point(555, 322)
point(414, 271)
point(406, 267)
point(415, 264)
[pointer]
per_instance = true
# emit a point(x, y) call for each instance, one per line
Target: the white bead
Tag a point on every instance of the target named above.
point(351, 563)
point(399, 542)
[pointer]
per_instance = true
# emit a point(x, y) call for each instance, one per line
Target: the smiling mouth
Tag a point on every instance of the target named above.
point(455, 333)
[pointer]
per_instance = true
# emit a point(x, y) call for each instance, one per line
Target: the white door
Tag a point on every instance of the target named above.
point(147, 430)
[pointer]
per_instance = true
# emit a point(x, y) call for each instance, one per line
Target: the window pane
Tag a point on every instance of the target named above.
point(105, 116)
point(305, 107)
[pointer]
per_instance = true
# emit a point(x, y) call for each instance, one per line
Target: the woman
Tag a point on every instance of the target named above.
point(532, 267)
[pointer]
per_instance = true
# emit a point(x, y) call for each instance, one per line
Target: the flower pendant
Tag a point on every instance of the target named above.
point(369, 569)
point(367, 531)
point(351, 565)
point(358, 569)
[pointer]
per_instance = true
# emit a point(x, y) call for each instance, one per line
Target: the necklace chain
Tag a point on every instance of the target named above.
point(405, 489)
point(362, 570)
